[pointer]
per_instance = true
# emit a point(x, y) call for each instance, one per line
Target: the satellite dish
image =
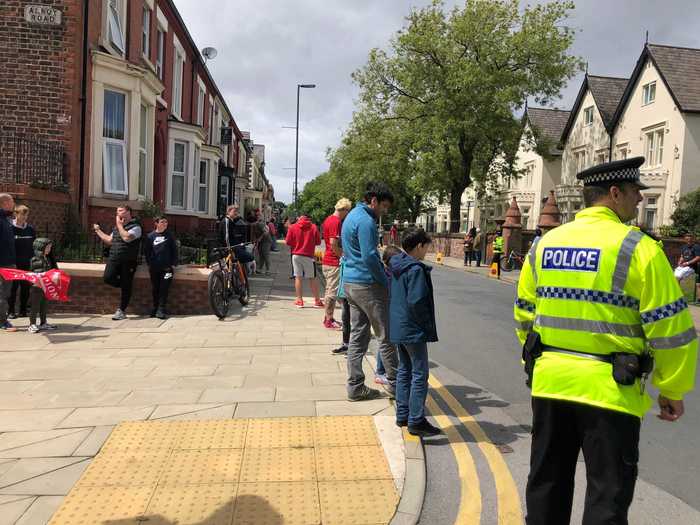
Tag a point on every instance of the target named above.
point(209, 53)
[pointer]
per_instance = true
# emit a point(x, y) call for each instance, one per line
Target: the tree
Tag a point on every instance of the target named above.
point(456, 79)
point(686, 216)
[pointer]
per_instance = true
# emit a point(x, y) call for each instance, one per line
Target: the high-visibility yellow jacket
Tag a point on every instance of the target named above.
point(498, 244)
point(598, 286)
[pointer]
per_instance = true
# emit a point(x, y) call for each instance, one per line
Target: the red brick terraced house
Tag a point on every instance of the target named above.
point(110, 101)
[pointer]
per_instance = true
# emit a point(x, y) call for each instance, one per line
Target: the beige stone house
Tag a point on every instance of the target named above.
point(539, 160)
point(586, 136)
point(659, 118)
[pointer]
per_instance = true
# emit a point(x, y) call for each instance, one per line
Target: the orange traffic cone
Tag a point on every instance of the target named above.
point(494, 269)
point(438, 257)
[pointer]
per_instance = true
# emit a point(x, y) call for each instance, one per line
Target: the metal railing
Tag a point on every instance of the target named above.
point(28, 160)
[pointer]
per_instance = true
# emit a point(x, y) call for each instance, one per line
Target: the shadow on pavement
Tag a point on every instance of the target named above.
point(256, 508)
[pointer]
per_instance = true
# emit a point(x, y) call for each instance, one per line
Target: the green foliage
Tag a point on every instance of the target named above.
point(686, 216)
point(437, 110)
point(150, 209)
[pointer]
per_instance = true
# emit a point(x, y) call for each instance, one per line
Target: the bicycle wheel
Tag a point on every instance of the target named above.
point(507, 264)
point(242, 287)
point(218, 293)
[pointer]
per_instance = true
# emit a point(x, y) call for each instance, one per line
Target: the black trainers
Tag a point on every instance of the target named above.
point(366, 394)
point(153, 312)
point(11, 315)
point(424, 429)
point(340, 350)
point(401, 423)
point(161, 314)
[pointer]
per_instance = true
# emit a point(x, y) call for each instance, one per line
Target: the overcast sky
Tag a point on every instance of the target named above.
point(266, 47)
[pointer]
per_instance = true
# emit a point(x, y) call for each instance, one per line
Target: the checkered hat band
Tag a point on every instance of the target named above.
point(665, 311)
point(631, 174)
point(591, 296)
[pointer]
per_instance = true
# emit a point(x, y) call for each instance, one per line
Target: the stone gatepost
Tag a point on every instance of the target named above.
point(513, 229)
point(550, 217)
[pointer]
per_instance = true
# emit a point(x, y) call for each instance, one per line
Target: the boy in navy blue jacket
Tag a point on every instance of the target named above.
point(411, 327)
point(161, 255)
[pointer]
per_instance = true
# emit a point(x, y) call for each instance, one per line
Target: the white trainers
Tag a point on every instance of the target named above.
point(47, 326)
point(119, 315)
point(33, 329)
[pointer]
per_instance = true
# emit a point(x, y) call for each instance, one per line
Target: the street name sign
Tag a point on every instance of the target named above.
point(44, 15)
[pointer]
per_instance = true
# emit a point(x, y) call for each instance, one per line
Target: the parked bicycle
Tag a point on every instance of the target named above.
point(514, 261)
point(227, 280)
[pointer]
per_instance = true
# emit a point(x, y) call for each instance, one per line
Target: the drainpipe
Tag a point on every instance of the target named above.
point(83, 108)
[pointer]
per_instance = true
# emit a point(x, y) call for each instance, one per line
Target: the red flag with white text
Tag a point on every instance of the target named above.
point(55, 283)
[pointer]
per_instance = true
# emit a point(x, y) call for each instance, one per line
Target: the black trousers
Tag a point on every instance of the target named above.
point(23, 287)
point(121, 275)
point(161, 279)
point(39, 304)
point(610, 444)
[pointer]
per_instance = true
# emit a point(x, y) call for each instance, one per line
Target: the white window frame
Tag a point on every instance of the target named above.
point(649, 93)
point(580, 159)
point(201, 97)
point(183, 174)
point(123, 143)
point(160, 52)
point(621, 151)
point(654, 146)
point(588, 116)
point(179, 59)
point(198, 184)
point(651, 207)
point(144, 119)
point(601, 156)
point(146, 32)
point(114, 33)
point(529, 174)
point(211, 120)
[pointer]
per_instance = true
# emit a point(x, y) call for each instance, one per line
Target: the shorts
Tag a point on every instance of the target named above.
point(304, 267)
point(332, 275)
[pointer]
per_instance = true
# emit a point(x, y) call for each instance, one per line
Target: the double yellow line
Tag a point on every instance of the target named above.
point(509, 506)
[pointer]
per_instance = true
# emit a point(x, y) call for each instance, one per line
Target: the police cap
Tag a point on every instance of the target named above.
point(626, 170)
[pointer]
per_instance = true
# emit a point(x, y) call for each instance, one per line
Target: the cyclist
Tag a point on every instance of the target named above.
point(233, 230)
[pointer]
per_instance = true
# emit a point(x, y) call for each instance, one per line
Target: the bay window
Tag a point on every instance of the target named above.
point(143, 150)
point(178, 181)
point(203, 187)
point(114, 166)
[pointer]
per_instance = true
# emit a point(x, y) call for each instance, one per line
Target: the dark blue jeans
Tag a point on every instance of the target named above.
point(412, 383)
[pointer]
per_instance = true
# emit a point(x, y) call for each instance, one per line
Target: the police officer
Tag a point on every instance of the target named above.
point(597, 304)
point(497, 246)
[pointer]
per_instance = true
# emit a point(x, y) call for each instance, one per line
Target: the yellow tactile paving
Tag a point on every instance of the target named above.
point(229, 433)
point(280, 433)
point(276, 503)
point(297, 471)
point(129, 468)
point(191, 467)
point(351, 463)
point(278, 464)
point(356, 502)
point(91, 505)
point(194, 504)
point(344, 431)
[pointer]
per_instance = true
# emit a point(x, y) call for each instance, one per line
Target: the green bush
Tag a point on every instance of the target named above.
point(686, 217)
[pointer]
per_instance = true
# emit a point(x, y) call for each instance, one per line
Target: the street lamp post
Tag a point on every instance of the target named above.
point(296, 159)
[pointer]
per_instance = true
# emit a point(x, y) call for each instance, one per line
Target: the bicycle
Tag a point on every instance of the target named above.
point(227, 279)
point(513, 261)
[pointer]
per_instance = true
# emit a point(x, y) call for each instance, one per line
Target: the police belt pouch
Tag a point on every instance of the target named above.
point(532, 349)
point(626, 368)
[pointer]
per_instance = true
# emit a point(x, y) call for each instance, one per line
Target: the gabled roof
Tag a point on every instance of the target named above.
point(548, 121)
point(678, 67)
point(607, 93)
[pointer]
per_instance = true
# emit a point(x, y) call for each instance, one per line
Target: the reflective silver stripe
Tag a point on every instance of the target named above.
point(523, 325)
point(664, 343)
point(533, 257)
point(624, 259)
point(585, 325)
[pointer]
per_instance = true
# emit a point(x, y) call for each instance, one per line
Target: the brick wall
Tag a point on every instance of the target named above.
point(89, 295)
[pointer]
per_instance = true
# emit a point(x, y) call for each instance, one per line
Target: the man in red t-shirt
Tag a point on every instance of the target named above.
point(302, 239)
point(331, 260)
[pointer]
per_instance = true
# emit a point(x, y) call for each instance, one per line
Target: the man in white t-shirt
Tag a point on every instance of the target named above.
point(124, 244)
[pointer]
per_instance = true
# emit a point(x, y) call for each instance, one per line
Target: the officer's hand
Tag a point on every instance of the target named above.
point(671, 409)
